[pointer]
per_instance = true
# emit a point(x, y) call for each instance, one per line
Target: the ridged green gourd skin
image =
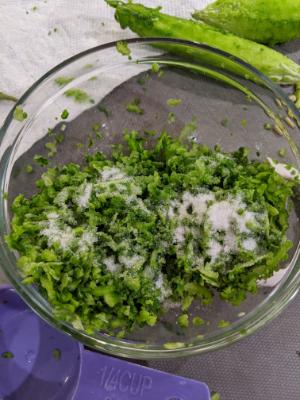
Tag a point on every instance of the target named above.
point(264, 21)
point(148, 22)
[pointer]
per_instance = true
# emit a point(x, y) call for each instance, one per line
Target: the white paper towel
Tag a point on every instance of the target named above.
point(28, 51)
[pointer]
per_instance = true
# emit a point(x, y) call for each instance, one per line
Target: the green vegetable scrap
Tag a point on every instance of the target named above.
point(59, 137)
point(225, 122)
point(141, 81)
point(29, 169)
point(172, 117)
point(16, 173)
point(160, 74)
point(264, 22)
point(134, 107)
point(155, 67)
point(149, 22)
point(19, 114)
point(41, 160)
point(99, 136)
point(198, 321)
point(96, 127)
point(171, 346)
point(107, 244)
point(282, 153)
point(223, 323)
point(216, 396)
point(173, 102)
point(79, 145)
point(183, 321)
point(90, 143)
point(61, 81)
point(7, 354)
point(52, 148)
point(105, 110)
point(123, 48)
point(79, 95)
point(268, 127)
point(244, 122)
point(56, 354)
point(243, 332)
point(5, 195)
point(64, 114)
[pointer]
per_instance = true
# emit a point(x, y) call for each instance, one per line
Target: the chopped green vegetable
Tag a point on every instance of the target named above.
point(245, 108)
point(64, 114)
point(79, 145)
point(5, 195)
point(107, 244)
point(99, 136)
point(90, 143)
point(198, 321)
point(223, 323)
point(52, 148)
point(241, 314)
point(243, 332)
point(171, 346)
point(56, 354)
point(141, 81)
point(59, 137)
point(61, 81)
point(96, 127)
point(217, 148)
point(160, 74)
point(41, 160)
point(272, 22)
point(63, 127)
point(172, 117)
point(28, 168)
point(8, 354)
point(216, 396)
point(183, 321)
point(145, 89)
point(55, 30)
point(134, 107)
point(19, 114)
point(268, 127)
point(173, 102)
point(105, 110)
point(79, 95)
point(225, 122)
point(155, 67)
point(282, 153)
point(258, 153)
point(123, 48)
point(244, 122)
point(200, 336)
point(88, 66)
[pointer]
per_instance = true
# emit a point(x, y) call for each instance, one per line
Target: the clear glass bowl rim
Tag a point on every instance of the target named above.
point(252, 322)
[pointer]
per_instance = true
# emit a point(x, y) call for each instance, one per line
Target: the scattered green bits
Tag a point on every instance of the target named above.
point(183, 321)
point(225, 122)
point(241, 314)
point(79, 96)
point(231, 134)
point(79, 145)
point(155, 67)
point(5, 195)
point(90, 143)
point(160, 74)
point(198, 321)
point(173, 102)
point(8, 354)
point(172, 117)
point(96, 127)
point(194, 119)
point(120, 335)
point(64, 114)
point(245, 108)
point(223, 323)
point(63, 127)
point(99, 136)
point(216, 396)
point(41, 160)
point(123, 48)
point(244, 122)
point(19, 114)
point(249, 98)
point(56, 354)
point(29, 169)
point(88, 66)
point(268, 127)
point(200, 336)
point(103, 24)
point(282, 153)
point(55, 30)
point(258, 153)
point(105, 110)
point(145, 89)
point(61, 81)
point(134, 107)
point(141, 81)
point(243, 332)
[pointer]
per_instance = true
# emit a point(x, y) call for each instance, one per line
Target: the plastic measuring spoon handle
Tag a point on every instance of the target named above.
point(107, 378)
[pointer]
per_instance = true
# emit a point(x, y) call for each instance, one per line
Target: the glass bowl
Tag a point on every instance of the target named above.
point(102, 76)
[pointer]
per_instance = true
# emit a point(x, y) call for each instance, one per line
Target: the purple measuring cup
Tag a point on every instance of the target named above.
point(35, 374)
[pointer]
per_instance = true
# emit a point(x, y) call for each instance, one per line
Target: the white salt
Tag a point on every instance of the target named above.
point(82, 200)
point(111, 265)
point(249, 244)
point(108, 173)
point(128, 262)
